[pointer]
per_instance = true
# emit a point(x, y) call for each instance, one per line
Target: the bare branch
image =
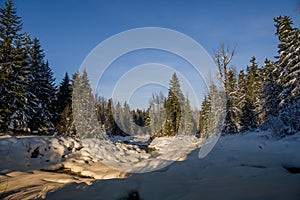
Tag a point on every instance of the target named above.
point(222, 58)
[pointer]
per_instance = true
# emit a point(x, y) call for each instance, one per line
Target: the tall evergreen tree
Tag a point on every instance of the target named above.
point(43, 89)
point(157, 113)
point(213, 112)
point(253, 82)
point(269, 94)
point(204, 117)
point(64, 94)
point(241, 101)
point(84, 108)
point(188, 126)
point(289, 67)
point(63, 106)
point(231, 120)
point(112, 128)
point(13, 71)
point(174, 106)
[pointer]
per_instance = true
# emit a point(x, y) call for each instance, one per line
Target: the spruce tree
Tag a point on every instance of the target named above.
point(204, 117)
point(84, 108)
point(269, 94)
point(157, 114)
point(42, 88)
point(253, 82)
point(188, 126)
point(289, 67)
point(64, 118)
point(241, 101)
point(231, 120)
point(111, 126)
point(13, 71)
point(174, 106)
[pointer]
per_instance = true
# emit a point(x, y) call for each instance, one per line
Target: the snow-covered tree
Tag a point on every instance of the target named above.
point(231, 119)
point(157, 114)
point(174, 106)
point(241, 100)
point(188, 125)
point(43, 89)
point(13, 71)
point(213, 112)
point(269, 94)
point(84, 108)
point(253, 88)
point(204, 116)
point(289, 68)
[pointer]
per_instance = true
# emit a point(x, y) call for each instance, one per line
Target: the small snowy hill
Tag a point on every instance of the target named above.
point(250, 166)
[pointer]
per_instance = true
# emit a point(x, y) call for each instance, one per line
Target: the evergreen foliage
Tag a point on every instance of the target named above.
point(64, 118)
point(174, 106)
point(231, 120)
point(262, 97)
point(13, 70)
point(204, 116)
point(42, 88)
point(250, 109)
point(289, 72)
point(157, 114)
point(84, 107)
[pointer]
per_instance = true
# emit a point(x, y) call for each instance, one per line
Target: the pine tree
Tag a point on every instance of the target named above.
point(188, 126)
point(289, 67)
point(64, 119)
point(241, 101)
point(174, 106)
point(269, 94)
point(250, 110)
point(64, 94)
point(84, 108)
point(142, 119)
point(125, 123)
point(213, 112)
point(123, 118)
point(157, 114)
point(111, 126)
point(231, 120)
point(204, 117)
point(13, 71)
point(42, 88)
point(101, 110)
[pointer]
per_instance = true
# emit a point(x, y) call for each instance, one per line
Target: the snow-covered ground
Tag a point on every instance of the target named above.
point(138, 155)
point(29, 166)
point(249, 166)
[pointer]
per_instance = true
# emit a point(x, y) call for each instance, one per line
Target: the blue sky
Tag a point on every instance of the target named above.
point(70, 29)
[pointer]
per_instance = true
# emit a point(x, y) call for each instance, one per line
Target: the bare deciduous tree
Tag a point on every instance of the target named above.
point(222, 58)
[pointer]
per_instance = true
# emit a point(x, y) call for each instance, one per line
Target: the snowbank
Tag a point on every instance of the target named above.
point(23, 158)
point(35, 152)
point(250, 166)
point(138, 155)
